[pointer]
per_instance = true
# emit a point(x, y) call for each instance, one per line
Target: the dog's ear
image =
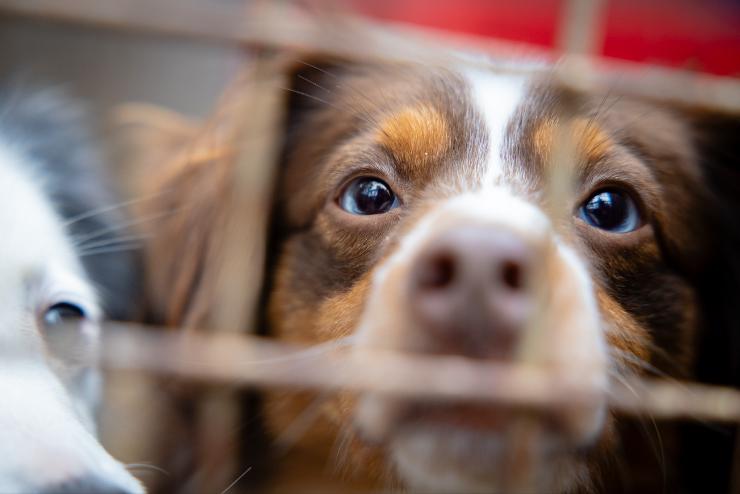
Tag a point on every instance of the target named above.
point(708, 451)
point(716, 138)
point(210, 197)
point(173, 177)
point(146, 135)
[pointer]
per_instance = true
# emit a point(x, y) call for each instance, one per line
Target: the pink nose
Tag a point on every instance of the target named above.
point(469, 290)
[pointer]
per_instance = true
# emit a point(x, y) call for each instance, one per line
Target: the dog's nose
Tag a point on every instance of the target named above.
point(470, 291)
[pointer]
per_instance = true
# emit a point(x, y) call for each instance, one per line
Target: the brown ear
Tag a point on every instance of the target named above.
point(709, 452)
point(209, 199)
point(145, 136)
point(210, 190)
point(718, 149)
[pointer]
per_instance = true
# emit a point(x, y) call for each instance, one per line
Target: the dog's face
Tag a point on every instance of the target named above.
point(414, 213)
point(49, 320)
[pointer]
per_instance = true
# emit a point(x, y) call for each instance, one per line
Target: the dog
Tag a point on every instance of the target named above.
point(59, 270)
point(413, 214)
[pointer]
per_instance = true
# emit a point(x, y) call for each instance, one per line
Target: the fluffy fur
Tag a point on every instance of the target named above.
point(474, 149)
point(52, 199)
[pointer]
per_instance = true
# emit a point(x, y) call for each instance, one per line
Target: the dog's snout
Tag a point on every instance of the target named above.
point(92, 484)
point(469, 289)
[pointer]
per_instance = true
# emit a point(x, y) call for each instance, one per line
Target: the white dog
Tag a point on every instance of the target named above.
point(56, 236)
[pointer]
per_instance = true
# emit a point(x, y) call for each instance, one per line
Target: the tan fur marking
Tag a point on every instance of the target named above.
point(623, 332)
point(415, 135)
point(593, 141)
point(543, 137)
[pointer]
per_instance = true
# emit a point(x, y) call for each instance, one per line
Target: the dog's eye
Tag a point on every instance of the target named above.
point(611, 210)
point(64, 313)
point(367, 195)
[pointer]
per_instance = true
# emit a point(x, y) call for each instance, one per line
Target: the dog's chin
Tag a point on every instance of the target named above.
point(457, 447)
point(446, 458)
point(479, 448)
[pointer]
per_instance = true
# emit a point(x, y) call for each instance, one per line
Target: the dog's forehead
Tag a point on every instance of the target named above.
point(501, 128)
point(469, 126)
point(439, 123)
point(429, 120)
point(499, 98)
point(465, 126)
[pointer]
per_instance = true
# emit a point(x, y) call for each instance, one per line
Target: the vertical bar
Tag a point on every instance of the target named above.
point(256, 113)
point(581, 27)
point(580, 34)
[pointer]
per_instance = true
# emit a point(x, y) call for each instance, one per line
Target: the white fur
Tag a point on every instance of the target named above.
point(496, 96)
point(47, 433)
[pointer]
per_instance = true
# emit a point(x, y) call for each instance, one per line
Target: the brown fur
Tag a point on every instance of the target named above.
point(324, 268)
point(414, 128)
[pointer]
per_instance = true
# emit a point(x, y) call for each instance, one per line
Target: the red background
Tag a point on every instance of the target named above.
point(699, 35)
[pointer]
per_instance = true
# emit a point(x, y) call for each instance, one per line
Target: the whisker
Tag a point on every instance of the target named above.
point(314, 83)
point(147, 466)
point(310, 352)
point(298, 427)
point(642, 363)
point(236, 480)
point(310, 96)
point(360, 115)
point(337, 86)
point(661, 449)
point(602, 109)
point(325, 72)
point(656, 443)
point(656, 353)
point(342, 443)
point(365, 115)
point(308, 416)
point(80, 240)
point(112, 207)
point(115, 241)
point(111, 250)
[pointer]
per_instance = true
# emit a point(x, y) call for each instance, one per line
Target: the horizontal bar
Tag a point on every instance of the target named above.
point(281, 25)
point(243, 360)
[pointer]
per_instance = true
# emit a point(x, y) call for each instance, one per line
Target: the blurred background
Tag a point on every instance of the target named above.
point(182, 54)
point(109, 66)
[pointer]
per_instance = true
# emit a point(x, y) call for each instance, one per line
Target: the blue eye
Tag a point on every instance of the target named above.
point(611, 210)
point(367, 195)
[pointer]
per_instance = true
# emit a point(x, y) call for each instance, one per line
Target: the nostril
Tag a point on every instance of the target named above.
point(511, 274)
point(439, 272)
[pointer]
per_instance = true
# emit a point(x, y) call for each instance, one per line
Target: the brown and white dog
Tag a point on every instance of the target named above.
point(412, 213)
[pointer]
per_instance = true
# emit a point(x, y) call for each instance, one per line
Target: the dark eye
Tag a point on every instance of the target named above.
point(63, 313)
point(367, 195)
point(611, 210)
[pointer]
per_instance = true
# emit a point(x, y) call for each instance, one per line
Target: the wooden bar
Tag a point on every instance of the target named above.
point(242, 360)
point(283, 26)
